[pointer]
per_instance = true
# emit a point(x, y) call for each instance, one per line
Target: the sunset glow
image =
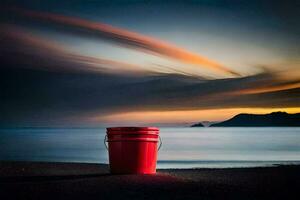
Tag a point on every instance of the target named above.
point(183, 117)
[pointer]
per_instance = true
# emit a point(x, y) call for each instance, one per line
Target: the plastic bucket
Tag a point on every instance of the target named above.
point(132, 150)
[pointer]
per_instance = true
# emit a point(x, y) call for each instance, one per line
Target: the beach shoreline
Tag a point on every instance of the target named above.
point(50, 180)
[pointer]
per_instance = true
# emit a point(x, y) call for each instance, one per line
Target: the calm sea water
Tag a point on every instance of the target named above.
point(182, 147)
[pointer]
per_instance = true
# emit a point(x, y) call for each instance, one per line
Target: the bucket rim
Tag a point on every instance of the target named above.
point(130, 129)
point(133, 140)
point(132, 133)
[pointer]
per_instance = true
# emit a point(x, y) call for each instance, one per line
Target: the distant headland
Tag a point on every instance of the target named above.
point(274, 119)
point(197, 125)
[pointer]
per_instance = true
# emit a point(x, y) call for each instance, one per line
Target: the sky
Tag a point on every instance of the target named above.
point(117, 63)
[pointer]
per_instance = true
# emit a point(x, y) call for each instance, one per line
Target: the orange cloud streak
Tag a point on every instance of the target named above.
point(275, 88)
point(132, 40)
point(39, 46)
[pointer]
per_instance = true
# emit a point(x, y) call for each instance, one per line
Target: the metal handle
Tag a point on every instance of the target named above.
point(160, 143)
point(105, 140)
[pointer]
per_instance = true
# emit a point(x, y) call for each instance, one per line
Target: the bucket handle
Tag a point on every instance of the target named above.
point(160, 143)
point(105, 141)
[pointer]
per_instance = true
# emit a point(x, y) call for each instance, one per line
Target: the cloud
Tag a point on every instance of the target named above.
point(271, 88)
point(60, 93)
point(129, 39)
point(48, 97)
point(42, 83)
point(33, 51)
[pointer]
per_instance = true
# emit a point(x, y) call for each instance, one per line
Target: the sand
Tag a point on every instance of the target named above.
point(36, 180)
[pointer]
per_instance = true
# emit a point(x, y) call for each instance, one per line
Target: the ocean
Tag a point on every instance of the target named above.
point(182, 147)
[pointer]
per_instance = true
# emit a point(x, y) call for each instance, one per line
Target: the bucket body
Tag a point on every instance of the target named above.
point(132, 150)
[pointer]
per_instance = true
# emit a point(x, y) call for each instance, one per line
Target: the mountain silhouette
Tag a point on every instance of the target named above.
point(264, 120)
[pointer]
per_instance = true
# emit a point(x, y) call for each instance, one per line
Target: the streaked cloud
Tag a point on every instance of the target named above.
point(74, 98)
point(20, 46)
point(271, 88)
point(56, 69)
point(130, 39)
point(107, 95)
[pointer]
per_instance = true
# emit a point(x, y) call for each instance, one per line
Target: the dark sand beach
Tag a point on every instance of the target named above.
point(36, 180)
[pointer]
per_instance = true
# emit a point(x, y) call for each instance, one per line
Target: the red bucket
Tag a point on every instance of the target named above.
point(132, 150)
